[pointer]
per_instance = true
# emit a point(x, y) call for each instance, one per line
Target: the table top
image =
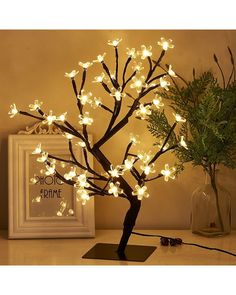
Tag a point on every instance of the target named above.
point(70, 251)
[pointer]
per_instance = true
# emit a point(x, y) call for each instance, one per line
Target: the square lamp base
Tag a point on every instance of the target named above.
point(109, 252)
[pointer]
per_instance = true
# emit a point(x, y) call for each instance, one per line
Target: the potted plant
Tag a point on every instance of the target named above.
point(210, 136)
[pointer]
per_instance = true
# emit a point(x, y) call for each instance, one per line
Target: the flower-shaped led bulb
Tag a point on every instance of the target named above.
point(131, 52)
point(82, 195)
point(62, 117)
point(71, 174)
point(49, 119)
point(117, 94)
point(100, 58)
point(72, 74)
point(178, 118)
point(82, 181)
point(165, 44)
point(13, 110)
point(171, 72)
point(140, 192)
point(134, 139)
point(96, 102)
point(145, 157)
point(35, 106)
point(157, 102)
point(183, 142)
point(137, 66)
point(138, 83)
point(85, 119)
point(37, 150)
point(114, 42)
point(143, 112)
point(114, 188)
point(115, 172)
point(168, 172)
point(43, 158)
point(50, 169)
point(148, 169)
point(84, 97)
point(85, 65)
point(145, 51)
point(164, 83)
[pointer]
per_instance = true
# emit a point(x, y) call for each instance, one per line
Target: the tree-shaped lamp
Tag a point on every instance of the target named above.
point(137, 93)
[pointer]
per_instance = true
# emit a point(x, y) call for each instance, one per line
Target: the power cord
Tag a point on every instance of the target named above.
point(165, 241)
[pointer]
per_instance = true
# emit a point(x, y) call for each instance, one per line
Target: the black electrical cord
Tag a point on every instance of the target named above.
point(177, 241)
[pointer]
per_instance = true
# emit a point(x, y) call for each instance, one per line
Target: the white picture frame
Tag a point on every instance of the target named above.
point(23, 223)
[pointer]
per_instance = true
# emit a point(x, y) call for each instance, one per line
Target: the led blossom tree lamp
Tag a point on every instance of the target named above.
point(112, 180)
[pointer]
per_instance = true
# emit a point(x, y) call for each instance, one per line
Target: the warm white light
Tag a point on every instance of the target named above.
point(164, 83)
point(157, 102)
point(82, 195)
point(96, 102)
point(134, 139)
point(140, 192)
point(178, 118)
point(99, 79)
point(68, 135)
point(72, 74)
point(70, 174)
point(62, 117)
point(59, 213)
point(138, 83)
point(115, 189)
point(131, 52)
point(49, 119)
point(161, 144)
point(143, 112)
point(145, 157)
point(168, 172)
point(13, 110)
point(81, 144)
point(33, 180)
point(145, 51)
point(85, 119)
point(114, 42)
point(117, 94)
point(128, 164)
point(148, 169)
point(183, 142)
point(165, 44)
point(50, 170)
point(82, 181)
point(71, 212)
point(171, 72)
point(63, 164)
point(35, 106)
point(85, 65)
point(100, 57)
point(37, 199)
point(115, 172)
point(38, 150)
point(43, 158)
point(137, 66)
point(84, 97)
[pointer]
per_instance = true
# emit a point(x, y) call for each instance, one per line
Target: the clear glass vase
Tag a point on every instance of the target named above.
point(211, 208)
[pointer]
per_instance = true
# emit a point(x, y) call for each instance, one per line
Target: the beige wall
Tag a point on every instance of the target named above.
point(32, 65)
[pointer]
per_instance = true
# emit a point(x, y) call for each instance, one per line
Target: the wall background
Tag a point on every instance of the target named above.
point(32, 66)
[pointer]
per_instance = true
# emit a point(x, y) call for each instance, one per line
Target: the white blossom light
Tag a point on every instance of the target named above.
point(85, 119)
point(143, 112)
point(96, 102)
point(115, 172)
point(117, 94)
point(157, 101)
point(148, 169)
point(171, 72)
point(72, 74)
point(137, 66)
point(82, 181)
point(84, 97)
point(85, 65)
point(138, 83)
point(68, 135)
point(128, 164)
point(62, 117)
point(82, 195)
point(13, 110)
point(49, 119)
point(134, 139)
point(145, 51)
point(37, 199)
point(140, 192)
point(33, 180)
point(178, 118)
point(131, 52)
point(70, 174)
point(81, 144)
point(145, 157)
point(35, 106)
point(100, 57)
point(164, 83)
point(115, 189)
point(183, 142)
point(50, 169)
point(37, 150)
point(165, 44)
point(43, 158)
point(114, 42)
point(99, 79)
point(168, 172)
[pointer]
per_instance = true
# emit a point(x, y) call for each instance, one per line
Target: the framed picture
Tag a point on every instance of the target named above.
point(48, 208)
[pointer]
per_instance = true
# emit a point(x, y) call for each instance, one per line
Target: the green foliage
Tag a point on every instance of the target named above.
point(210, 129)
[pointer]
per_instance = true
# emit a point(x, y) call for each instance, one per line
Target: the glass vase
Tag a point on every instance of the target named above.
point(211, 208)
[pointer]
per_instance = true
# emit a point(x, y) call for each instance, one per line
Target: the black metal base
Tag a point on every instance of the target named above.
point(109, 252)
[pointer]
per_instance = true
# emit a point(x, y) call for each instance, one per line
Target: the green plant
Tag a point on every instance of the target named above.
point(209, 108)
